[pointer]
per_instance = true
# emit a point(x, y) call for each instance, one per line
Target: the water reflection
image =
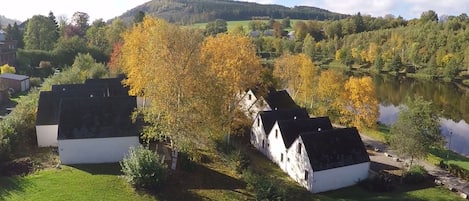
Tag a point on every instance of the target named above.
point(455, 133)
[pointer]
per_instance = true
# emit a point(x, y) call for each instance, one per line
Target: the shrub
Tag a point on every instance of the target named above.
point(416, 174)
point(382, 182)
point(186, 163)
point(238, 161)
point(143, 168)
point(264, 188)
point(458, 171)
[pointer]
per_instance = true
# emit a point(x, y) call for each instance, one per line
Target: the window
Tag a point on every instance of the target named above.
point(288, 159)
point(258, 122)
point(306, 175)
point(276, 133)
point(263, 143)
point(299, 148)
point(249, 97)
point(281, 157)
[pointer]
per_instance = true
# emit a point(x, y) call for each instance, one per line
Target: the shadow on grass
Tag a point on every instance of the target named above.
point(381, 166)
point(9, 185)
point(181, 184)
point(100, 169)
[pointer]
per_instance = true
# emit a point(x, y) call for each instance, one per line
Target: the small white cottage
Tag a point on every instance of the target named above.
point(96, 129)
point(328, 160)
point(47, 118)
point(253, 102)
point(264, 122)
point(285, 132)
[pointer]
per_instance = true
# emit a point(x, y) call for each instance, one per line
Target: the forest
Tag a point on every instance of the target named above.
point(194, 11)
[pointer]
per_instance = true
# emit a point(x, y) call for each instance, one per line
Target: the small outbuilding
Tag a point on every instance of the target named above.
point(18, 83)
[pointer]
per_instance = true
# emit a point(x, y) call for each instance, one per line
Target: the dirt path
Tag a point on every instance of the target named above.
point(383, 155)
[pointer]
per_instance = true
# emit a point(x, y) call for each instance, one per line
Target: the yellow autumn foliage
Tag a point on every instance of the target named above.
point(7, 69)
point(297, 73)
point(360, 105)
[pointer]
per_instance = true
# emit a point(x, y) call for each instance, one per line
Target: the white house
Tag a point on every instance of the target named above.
point(264, 122)
point(285, 132)
point(47, 118)
point(328, 160)
point(96, 129)
point(253, 102)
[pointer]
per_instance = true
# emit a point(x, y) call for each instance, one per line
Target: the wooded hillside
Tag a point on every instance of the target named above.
point(193, 11)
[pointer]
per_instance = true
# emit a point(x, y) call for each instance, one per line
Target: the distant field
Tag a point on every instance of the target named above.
point(244, 23)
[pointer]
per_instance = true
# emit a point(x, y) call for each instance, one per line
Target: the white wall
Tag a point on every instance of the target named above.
point(251, 105)
point(258, 135)
point(95, 150)
point(336, 178)
point(298, 163)
point(277, 147)
point(47, 135)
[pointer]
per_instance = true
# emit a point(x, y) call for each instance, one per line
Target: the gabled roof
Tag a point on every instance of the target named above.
point(291, 129)
point(111, 86)
point(278, 100)
point(98, 117)
point(270, 117)
point(47, 110)
point(78, 90)
point(334, 148)
point(14, 76)
point(48, 107)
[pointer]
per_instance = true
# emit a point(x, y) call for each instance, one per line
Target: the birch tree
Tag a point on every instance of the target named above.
point(231, 59)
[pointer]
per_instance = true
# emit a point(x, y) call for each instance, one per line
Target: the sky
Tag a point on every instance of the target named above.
point(408, 9)
point(108, 9)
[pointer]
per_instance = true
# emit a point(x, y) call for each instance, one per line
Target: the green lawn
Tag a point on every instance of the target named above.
point(212, 180)
point(84, 182)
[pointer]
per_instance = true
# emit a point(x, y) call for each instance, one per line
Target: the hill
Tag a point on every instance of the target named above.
point(196, 11)
point(4, 21)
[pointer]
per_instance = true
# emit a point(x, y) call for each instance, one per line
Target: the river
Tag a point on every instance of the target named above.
point(450, 99)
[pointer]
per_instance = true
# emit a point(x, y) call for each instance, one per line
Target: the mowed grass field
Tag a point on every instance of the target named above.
point(84, 182)
point(212, 180)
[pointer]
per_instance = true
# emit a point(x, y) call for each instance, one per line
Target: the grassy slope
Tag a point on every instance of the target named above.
point(90, 182)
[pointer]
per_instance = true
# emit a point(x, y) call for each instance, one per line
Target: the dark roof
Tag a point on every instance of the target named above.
point(48, 107)
point(98, 117)
point(334, 148)
point(112, 86)
point(270, 117)
point(278, 100)
point(47, 110)
point(291, 129)
point(77, 90)
point(14, 76)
